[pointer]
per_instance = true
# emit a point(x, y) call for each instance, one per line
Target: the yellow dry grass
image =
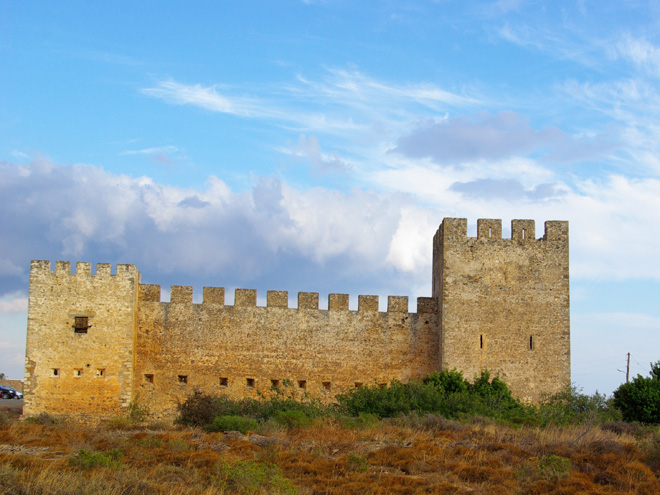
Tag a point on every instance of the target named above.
point(395, 457)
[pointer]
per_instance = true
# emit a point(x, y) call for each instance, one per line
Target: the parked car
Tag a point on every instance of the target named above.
point(8, 392)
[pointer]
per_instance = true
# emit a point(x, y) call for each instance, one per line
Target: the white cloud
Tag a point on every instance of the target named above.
point(13, 303)
point(309, 149)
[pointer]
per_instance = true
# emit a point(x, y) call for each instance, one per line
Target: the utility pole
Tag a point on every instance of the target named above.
point(628, 368)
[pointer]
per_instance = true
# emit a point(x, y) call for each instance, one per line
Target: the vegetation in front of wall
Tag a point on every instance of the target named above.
point(447, 394)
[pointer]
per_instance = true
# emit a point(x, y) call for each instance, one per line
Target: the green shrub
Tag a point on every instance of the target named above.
point(232, 423)
point(292, 418)
point(253, 477)
point(89, 460)
point(639, 400)
point(449, 381)
point(571, 406)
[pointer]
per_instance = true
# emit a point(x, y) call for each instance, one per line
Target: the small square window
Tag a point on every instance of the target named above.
point(224, 381)
point(275, 383)
point(327, 385)
point(182, 378)
point(77, 372)
point(80, 324)
point(249, 382)
point(148, 377)
point(100, 372)
point(302, 384)
point(55, 372)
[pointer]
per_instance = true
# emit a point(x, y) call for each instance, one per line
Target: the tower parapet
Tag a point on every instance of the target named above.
point(504, 303)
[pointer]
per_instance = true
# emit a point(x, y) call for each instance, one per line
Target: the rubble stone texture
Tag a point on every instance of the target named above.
point(497, 304)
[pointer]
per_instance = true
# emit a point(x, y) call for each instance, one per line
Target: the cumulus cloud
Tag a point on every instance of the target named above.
point(15, 302)
point(509, 189)
point(308, 149)
point(492, 137)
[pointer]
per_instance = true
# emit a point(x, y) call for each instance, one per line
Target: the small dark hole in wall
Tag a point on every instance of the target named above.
point(250, 382)
point(275, 383)
point(183, 378)
point(149, 377)
point(481, 341)
point(100, 372)
point(302, 384)
point(55, 372)
point(531, 343)
point(327, 385)
point(80, 324)
point(224, 381)
point(77, 372)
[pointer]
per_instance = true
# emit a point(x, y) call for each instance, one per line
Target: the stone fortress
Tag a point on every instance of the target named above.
point(96, 342)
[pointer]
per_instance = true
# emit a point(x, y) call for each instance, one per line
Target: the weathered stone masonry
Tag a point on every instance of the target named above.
point(97, 341)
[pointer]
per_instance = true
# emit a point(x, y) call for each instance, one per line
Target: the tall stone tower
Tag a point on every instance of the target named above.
point(80, 339)
point(503, 304)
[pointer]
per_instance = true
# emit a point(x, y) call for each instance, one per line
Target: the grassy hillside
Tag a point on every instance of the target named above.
point(425, 454)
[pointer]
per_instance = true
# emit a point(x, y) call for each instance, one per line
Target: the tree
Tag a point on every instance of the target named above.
point(3, 376)
point(639, 400)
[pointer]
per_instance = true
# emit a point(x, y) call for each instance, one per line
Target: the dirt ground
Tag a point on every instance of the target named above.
point(13, 407)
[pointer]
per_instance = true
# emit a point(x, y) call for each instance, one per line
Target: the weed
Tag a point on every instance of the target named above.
point(178, 445)
point(357, 462)
point(553, 467)
point(45, 419)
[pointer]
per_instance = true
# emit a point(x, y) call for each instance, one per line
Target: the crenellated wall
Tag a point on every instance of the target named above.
point(504, 303)
point(244, 350)
point(74, 372)
point(497, 304)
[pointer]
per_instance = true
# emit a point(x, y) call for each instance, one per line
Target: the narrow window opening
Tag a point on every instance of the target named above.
point(327, 385)
point(481, 341)
point(490, 232)
point(358, 384)
point(77, 372)
point(100, 372)
point(149, 378)
point(523, 233)
point(275, 383)
point(55, 372)
point(81, 324)
point(531, 343)
point(249, 382)
point(183, 378)
point(224, 381)
point(302, 384)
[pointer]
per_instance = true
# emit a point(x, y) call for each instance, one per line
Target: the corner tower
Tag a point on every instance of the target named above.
point(80, 339)
point(503, 304)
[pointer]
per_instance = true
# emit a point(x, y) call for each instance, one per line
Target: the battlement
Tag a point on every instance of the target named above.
point(247, 298)
point(489, 229)
point(82, 269)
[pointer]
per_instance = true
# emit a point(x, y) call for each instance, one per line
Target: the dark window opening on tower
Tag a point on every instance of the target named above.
point(481, 341)
point(81, 324)
point(183, 378)
point(531, 343)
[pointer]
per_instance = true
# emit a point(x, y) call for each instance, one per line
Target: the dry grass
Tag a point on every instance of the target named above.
point(415, 456)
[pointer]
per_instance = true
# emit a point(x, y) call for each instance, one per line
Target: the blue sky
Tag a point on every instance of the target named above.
point(317, 145)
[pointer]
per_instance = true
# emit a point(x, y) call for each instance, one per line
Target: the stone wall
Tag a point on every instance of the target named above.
point(498, 304)
point(244, 350)
point(76, 372)
point(504, 303)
